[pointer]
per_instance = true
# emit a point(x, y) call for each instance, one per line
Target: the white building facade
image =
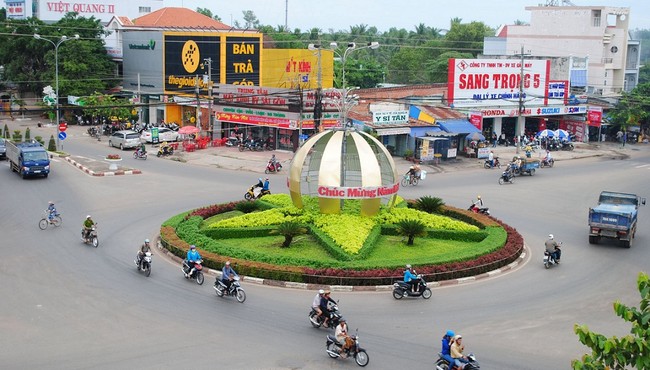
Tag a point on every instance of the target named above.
point(598, 35)
point(52, 11)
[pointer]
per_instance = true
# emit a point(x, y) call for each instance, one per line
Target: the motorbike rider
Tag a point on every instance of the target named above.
point(491, 159)
point(144, 248)
point(411, 278)
point(228, 275)
point(553, 248)
point(164, 147)
point(192, 256)
point(51, 211)
point(87, 227)
point(341, 335)
point(266, 187)
point(315, 304)
point(456, 350)
point(446, 346)
point(325, 299)
point(142, 150)
point(273, 162)
point(548, 157)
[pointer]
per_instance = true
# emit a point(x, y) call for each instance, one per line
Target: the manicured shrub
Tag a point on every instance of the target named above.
point(51, 146)
point(247, 207)
point(5, 132)
point(17, 136)
point(28, 134)
point(429, 204)
point(411, 229)
point(39, 139)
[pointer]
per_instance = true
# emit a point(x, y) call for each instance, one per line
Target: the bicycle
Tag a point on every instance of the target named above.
point(45, 221)
point(410, 180)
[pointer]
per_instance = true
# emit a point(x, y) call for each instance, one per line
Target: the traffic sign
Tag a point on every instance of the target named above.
point(63, 126)
point(62, 135)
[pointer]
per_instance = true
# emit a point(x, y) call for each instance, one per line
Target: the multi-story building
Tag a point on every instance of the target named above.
point(598, 35)
point(52, 11)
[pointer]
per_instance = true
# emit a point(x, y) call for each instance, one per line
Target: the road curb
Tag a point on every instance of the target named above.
point(101, 173)
point(361, 288)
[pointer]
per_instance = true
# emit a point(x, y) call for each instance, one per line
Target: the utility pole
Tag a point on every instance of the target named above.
point(198, 104)
point(521, 100)
point(208, 61)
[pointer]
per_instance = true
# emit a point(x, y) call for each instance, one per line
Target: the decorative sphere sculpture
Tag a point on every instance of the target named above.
point(340, 164)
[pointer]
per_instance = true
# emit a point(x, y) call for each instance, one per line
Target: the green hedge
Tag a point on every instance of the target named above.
point(473, 236)
point(244, 232)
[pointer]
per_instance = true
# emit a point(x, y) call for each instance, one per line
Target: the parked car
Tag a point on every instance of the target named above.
point(124, 139)
point(3, 149)
point(164, 134)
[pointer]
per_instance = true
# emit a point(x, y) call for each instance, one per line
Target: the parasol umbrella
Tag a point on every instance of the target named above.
point(476, 136)
point(187, 130)
point(545, 133)
point(562, 134)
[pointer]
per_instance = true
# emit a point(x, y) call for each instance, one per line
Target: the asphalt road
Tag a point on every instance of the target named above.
point(66, 305)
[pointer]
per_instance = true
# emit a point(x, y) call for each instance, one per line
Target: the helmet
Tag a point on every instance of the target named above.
point(458, 337)
point(227, 263)
point(88, 216)
point(321, 291)
point(550, 236)
point(342, 319)
point(408, 266)
point(146, 241)
point(478, 197)
point(260, 179)
point(327, 291)
point(192, 246)
point(410, 168)
point(50, 202)
point(450, 333)
point(267, 179)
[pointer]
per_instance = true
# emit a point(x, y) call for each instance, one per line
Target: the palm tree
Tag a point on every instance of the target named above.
point(289, 230)
point(429, 204)
point(411, 229)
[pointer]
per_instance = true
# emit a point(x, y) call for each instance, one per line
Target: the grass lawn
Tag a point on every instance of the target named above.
point(303, 246)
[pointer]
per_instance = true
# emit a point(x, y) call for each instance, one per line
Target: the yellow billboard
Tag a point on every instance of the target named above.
point(293, 68)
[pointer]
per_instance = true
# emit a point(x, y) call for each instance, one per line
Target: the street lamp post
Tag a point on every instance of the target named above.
point(56, 73)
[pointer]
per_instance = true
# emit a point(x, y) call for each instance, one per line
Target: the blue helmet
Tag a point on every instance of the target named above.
point(450, 333)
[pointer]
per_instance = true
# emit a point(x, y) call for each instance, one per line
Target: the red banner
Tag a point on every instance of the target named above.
point(476, 119)
point(594, 116)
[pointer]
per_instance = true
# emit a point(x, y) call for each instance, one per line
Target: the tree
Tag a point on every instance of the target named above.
point(467, 37)
point(437, 69)
point(411, 229)
point(289, 230)
point(633, 108)
point(429, 204)
point(208, 13)
point(644, 74)
point(633, 350)
point(250, 19)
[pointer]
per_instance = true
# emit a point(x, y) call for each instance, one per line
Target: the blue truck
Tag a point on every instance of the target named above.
point(28, 159)
point(614, 217)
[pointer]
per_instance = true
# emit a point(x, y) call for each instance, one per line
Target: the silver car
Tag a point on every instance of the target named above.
point(124, 139)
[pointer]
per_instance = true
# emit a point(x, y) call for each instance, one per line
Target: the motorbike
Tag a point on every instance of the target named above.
point(197, 274)
point(442, 364)
point(507, 176)
point(250, 194)
point(168, 150)
point(332, 347)
point(549, 260)
point(137, 154)
point(488, 165)
point(566, 146)
point(234, 290)
point(232, 141)
point(547, 162)
point(91, 236)
point(402, 289)
point(144, 264)
point(317, 321)
point(476, 207)
point(273, 167)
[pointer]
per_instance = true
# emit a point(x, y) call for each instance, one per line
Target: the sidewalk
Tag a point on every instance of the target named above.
point(231, 158)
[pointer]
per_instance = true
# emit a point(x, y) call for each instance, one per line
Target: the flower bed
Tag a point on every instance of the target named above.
point(113, 157)
point(486, 245)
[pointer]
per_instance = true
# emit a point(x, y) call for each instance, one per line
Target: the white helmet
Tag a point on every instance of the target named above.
point(550, 236)
point(146, 241)
point(321, 291)
point(408, 266)
point(88, 216)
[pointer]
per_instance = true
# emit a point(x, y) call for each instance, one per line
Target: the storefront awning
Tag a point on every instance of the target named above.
point(430, 138)
point(458, 127)
point(393, 131)
point(439, 134)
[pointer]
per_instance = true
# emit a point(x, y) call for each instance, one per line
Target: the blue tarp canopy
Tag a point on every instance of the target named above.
point(458, 127)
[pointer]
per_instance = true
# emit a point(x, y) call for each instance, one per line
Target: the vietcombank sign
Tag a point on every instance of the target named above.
point(150, 46)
